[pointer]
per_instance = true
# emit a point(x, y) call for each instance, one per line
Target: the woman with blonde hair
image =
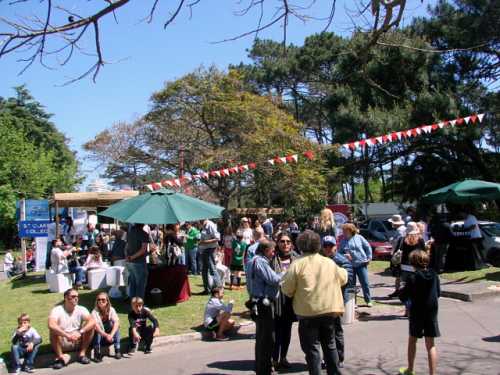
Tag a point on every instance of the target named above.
point(107, 328)
point(359, 252)
point(326, 223)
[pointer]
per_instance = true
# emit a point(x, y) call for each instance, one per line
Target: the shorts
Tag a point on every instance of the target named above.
point(424, 326)
point(236, 268)
point(213, 325)
point(69, 346)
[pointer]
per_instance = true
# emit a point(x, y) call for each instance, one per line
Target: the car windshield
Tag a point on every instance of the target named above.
point(387, 225)
point(492, 229)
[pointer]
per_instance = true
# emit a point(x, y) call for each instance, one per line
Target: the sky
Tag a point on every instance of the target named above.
point(143, 56)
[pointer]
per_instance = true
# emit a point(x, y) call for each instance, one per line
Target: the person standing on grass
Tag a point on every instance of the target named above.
point(191, 246)
point(422, 290)
point(239, 248)
point(137, 269)
point(71, 328)
point(209, 240)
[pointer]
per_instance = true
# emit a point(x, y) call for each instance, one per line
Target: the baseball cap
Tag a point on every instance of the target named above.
point(329, 240)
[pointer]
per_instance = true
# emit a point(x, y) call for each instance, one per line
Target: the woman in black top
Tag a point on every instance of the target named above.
point(283, 315)
point(174, 245)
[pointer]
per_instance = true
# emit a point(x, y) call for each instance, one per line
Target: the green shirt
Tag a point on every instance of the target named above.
point(193, 236)
point(238, 252)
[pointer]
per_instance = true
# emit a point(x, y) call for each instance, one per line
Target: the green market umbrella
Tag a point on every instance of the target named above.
point(464, 192)
point(162, 207)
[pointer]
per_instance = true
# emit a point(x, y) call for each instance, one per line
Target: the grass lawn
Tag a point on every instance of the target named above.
point(31, 295)
point(377, 266)
point(486, 274)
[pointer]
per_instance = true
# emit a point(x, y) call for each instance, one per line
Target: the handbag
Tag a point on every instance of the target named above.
point(396, 257)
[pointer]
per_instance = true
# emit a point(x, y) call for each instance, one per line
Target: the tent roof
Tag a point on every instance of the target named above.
point(91, 199)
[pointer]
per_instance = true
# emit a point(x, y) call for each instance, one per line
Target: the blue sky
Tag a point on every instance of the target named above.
point(144, 56)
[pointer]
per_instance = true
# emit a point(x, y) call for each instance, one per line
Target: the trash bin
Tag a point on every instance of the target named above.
point(156, 296)
point(349, 309)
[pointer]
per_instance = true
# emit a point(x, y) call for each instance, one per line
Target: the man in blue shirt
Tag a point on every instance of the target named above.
point(264, 289)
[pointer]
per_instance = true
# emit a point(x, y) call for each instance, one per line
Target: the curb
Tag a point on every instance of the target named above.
point(44, 360)
point(469, 297)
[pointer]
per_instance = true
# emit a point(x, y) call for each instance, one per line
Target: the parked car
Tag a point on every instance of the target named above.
point(378, 230)
point(491, 239)
point(381, 250)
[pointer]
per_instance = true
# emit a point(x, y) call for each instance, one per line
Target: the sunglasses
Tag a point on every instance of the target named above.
point(285, 241)
point(102, 300)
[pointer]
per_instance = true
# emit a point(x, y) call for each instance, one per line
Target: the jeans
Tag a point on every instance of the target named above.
point(264, 339)
point(192, 261)
point(98, 340)
point(19, 352)
point(79, 274)
point(209, 272)
point(199, 261)
point(137, 278)
point(362, 274)
point(339, 338)
point(314, 332)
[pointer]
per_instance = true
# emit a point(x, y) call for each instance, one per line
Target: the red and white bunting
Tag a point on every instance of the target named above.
point(480, 117)
point(271, 161)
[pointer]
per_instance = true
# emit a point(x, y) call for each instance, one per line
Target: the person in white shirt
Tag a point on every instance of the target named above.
point(8, 263)
point(71, 328)
point(218, 315)
point(471, 225)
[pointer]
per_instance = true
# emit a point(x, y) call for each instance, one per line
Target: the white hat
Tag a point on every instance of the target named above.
point(396, 220)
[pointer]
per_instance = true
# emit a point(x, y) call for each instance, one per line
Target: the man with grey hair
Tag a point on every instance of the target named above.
point(314, 282)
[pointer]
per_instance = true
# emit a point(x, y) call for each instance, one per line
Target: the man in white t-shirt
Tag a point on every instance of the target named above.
point(71, 328)
point(471, 225)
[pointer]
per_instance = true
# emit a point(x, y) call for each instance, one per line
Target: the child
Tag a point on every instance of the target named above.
point(228, 250)
point(217, 314)
point(239, 247)
point(422, 290)
point(139, 329)
point(25, 343)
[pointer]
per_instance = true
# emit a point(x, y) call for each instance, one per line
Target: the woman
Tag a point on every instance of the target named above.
point(359, 252)
point(94, 259)
point(174, 245)
point(413, 240)
point(283, 315)
point(326, 223)
point(246, 231)
point(107, 328)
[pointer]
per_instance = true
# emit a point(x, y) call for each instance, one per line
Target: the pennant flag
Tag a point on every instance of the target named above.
point(149, 187)
point(352, 146)
point(243, 168)
point(226, 172)
point(271, 161)
point(386, 138)
point(156, 186)
point(435, 127)
point(283, 159)
point(380, 139)
point(467, 119)
point(473, 118)
point(309, 155)
point(233, 170)
point(277, 160)
point(453, 122)
point(441, 125)
point(480, 117)
point(252, 165)
point(460, 121)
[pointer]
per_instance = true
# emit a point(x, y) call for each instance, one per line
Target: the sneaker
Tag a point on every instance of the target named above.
point(17, 370)
point(29, 370)
point(83, 360)
point(405, 371)
point(221, 338)
point(369, 304)
point(118, 355)
point(341, 364)
point(147, 351)
point(58, 364)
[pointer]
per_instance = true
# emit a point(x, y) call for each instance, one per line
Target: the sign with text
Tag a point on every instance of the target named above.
point(33, 228)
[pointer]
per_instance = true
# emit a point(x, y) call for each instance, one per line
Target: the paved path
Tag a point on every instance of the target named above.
point(376, 345)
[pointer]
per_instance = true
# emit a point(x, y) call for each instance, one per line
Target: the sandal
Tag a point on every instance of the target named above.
point(83, 360)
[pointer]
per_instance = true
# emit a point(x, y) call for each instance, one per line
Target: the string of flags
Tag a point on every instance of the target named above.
point(294, 158)
point(411, 133)
point(224, 172)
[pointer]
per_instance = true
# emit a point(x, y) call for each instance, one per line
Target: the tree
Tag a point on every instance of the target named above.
point(60, 30)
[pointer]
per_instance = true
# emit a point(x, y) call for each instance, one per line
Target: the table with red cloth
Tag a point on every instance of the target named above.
point(171, 280)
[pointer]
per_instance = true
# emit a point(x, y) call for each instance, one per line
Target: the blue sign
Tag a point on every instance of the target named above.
point(34, 228)
point(34, 209)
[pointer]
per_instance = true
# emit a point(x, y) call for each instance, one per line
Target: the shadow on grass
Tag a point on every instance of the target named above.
point(27, 280)
point(494, 276)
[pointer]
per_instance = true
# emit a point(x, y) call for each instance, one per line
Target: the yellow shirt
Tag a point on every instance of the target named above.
point(314, 282)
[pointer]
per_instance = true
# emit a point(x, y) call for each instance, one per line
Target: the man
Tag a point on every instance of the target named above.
point(209, 240)
point(137, 248)
point(267, 225)
point(264, 289)
point(192, 237)
point(330, 251)
point(258, 236)
point(59, 262)
point(71, 328)
point(314, 282)
point(471, 225)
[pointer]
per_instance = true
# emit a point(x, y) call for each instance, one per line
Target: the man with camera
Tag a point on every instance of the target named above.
point(264, 289)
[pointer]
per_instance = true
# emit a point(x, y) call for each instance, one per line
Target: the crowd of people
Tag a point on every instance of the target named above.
point(291, 276)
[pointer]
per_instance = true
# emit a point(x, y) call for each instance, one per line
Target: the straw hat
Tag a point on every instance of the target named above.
point(412, 228)
point(396, 220)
